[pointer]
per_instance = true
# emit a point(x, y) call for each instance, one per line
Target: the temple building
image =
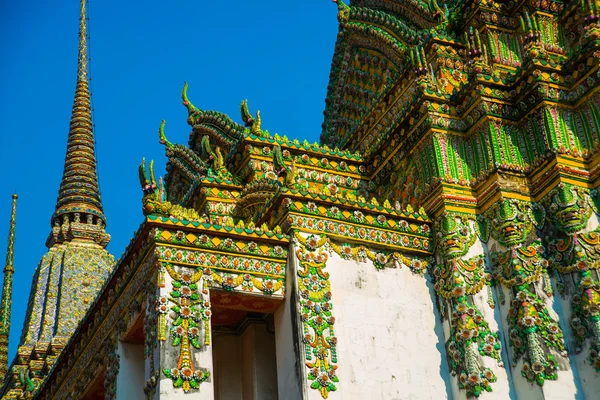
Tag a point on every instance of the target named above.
point(442, 241)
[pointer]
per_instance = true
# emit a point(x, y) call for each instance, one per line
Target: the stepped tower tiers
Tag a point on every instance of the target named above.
point(79, 213)
point(6, 302)
point(71, 273)
point(441, 242)
point(487, 115)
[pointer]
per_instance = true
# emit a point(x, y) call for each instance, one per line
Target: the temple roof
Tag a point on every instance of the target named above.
point(370, 54)
point(422, 13)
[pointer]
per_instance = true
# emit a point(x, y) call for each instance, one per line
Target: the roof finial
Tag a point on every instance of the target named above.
point(6, 302)
point(82, 59)
point(79, 194)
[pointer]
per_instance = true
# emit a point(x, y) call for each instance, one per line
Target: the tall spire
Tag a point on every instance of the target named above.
point(79, 201)
point(6, 302)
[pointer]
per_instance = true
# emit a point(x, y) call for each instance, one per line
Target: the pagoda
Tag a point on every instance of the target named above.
point(73, 271)
point(442, 241)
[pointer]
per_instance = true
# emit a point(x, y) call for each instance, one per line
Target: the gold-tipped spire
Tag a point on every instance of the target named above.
point(6, 302)
point(79, 199)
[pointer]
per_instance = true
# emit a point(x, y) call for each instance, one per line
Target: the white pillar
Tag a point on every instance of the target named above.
point(227, 366)
point(291, 378)
point(130, 380)
point(259, 373)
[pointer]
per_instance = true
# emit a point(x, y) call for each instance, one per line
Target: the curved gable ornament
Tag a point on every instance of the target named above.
point(221, 129)
point(385, 33)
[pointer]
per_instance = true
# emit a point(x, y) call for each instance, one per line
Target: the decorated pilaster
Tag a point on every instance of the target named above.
point(573, 240)
point(520, 272)
point(178, 335)
point(152, 372)
point(6, 302)
point(317, 316)
point(184, 330)
point(111, 362)
point(466, 305)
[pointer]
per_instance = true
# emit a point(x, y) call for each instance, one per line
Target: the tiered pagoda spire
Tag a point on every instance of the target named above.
point(76, 265)
point(6, 302)
point(79, 214)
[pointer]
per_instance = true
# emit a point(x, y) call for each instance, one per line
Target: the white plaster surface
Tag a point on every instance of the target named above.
point(130, 379)
point(259, 369)
point(227, 351)
point(291, 380)
point(501, 389)
point(265, 366)
point(589, 379)
point(390, 343)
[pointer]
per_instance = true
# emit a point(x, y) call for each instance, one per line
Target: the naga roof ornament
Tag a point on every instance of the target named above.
point(250, 122)
point(182, 159)
point(224, 132)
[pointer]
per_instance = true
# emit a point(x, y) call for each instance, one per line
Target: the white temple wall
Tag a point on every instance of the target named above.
point(502, 388)
point(390, 344)
point(593, 222)
point(589, 384)
point(589, 378)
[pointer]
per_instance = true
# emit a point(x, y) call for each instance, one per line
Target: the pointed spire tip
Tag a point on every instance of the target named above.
point(79, 193)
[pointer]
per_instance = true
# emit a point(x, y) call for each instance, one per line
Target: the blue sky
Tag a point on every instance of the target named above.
point(275, 54)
